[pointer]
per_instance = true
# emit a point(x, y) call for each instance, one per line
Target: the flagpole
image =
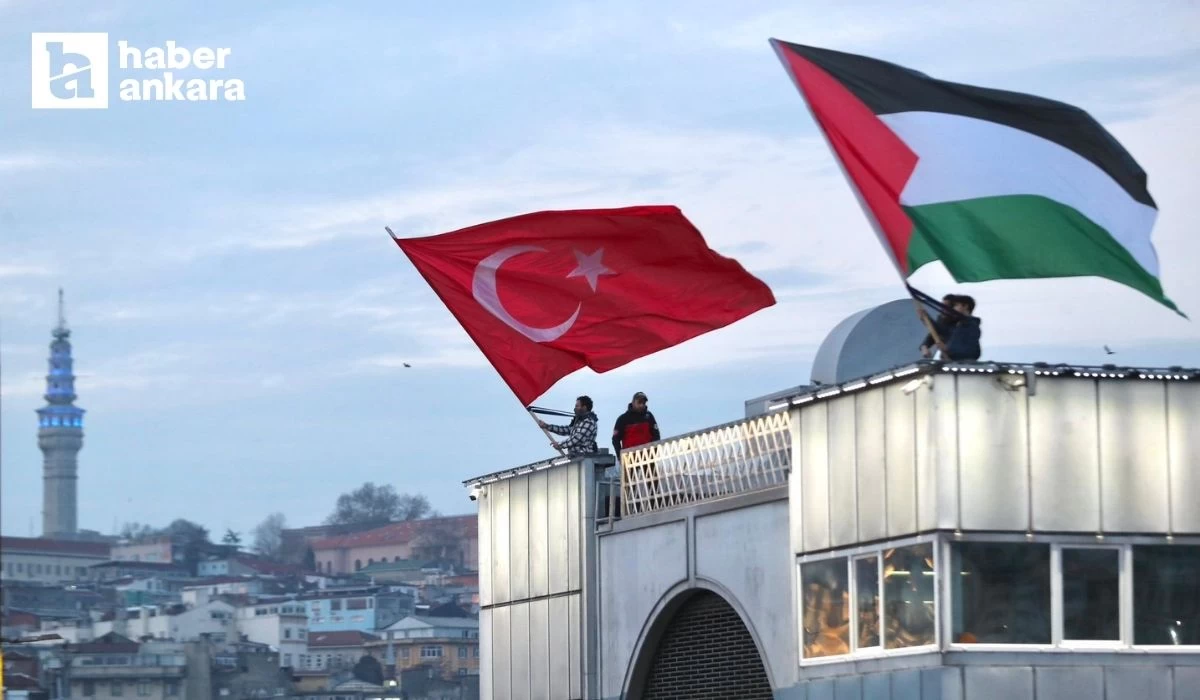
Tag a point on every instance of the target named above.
point(924, 316)
point(545, 432)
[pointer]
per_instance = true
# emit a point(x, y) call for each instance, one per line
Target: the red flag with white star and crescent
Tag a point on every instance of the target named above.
point(547, 293)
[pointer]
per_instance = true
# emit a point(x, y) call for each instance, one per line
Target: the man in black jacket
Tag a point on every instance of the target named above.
point(636, 426)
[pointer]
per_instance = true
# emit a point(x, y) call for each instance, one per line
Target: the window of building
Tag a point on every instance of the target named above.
point(20, 567)
point(287, 632)
point(1001, 592)
point(476, 654)
point(404, 653)
point(80, 572)
point(909, 611)
point(462, 652)
point(335, 605)
point(462, 671)
point(356, 604)
point(287, 660)
point(143, 689)
point(117, 689)
point(89, 689)
point(867, 602)
point(1091, 594)
point(826, 595)
point(431, 652)
point(171, 689)
point(1166, 609)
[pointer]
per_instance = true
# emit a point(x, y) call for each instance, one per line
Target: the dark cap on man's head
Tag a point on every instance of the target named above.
point(642, 396)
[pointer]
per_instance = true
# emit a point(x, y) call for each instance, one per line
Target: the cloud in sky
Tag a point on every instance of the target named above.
point(241, 320)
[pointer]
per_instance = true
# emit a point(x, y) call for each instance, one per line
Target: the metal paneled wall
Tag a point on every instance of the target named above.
point(557, 511)
point(575, 639)
point(560, 645)
point(574, 523)
point(993, 465)
point(901, 461)
point(539, 650)
point(485, 650)
point(518, 653)
point(501, 660)
point(943, 420)
point(539, 535)
point(1064, 459)
point(1133, 457)
point(843, 482)
point(795, 487)
point(485, 547)
point(518, 531)
point(498, 494)
point(814, 467)
point(870, 423)
point(1183, 429)
point(926, 434)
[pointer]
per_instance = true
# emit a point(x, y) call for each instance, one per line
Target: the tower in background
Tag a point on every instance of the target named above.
point(60, 437)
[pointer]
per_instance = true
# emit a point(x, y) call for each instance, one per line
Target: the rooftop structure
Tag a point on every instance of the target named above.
point(960, 531)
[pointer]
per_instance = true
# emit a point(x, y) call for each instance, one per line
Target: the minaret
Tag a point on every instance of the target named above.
point(60, 436)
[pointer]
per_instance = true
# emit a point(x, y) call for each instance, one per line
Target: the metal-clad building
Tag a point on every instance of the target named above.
point(956, 532)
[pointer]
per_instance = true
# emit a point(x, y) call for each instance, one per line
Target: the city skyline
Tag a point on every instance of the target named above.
point(241, 320)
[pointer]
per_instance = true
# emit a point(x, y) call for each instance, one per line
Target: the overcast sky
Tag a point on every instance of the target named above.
point(239, 316)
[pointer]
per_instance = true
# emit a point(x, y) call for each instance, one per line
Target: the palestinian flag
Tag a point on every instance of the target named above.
point(994, 184)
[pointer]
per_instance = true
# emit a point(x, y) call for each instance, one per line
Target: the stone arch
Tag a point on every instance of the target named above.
point(698, 645)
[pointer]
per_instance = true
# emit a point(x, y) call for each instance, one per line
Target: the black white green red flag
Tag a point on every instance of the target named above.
point(994, 184)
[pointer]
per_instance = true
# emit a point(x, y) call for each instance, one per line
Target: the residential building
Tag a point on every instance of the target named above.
point(280, 624)
point(295, 542)
point(115, 570)
point(200, 593)
point(449, 643)
point(157, 549)
point(408, 571)
point(48, 560)
point(335, 651)
point(362, 609)
point(51, 602)
point(453, 540)
point(115, 666)
point(245, 565)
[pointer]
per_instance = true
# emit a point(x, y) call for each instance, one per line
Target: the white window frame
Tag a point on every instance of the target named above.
point(851, 554)
point(1124, 598)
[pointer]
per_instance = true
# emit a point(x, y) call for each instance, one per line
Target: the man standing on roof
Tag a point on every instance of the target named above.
point(581, 431)
point(636, 426)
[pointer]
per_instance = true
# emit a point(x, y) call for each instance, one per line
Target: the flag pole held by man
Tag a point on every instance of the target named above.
point(994, 184)
point(548, 293)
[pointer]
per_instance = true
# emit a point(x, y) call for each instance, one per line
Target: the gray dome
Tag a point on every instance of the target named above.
point(870, 341)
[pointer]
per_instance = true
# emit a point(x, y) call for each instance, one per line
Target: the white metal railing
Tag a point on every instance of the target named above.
point(748, 455)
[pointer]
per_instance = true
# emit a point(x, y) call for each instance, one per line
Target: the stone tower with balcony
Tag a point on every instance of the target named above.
point(60, 437)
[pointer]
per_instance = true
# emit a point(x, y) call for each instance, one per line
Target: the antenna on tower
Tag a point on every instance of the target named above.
point(62, 320)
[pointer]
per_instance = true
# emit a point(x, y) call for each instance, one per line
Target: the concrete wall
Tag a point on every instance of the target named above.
point(969, 452)
point(736, 547)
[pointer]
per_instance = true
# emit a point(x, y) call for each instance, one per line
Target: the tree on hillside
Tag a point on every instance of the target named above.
point(189, 541)
point(310, 559)
point(369, 670)
point(231, 538)
point(366, 504)
point(268, 535)
point(136, 531)
point(413, 507)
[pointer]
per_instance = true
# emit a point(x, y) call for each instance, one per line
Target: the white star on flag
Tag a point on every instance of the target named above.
point(590, 267)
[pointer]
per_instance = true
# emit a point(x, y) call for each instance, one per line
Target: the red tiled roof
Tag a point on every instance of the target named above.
point(347, 638)
point(20, 618)
point(399, 533)
point(39, 544)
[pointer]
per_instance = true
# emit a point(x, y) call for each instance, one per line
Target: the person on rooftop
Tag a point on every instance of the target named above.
point(580, 432)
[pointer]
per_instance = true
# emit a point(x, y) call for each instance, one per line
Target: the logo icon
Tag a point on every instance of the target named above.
point(69, 70)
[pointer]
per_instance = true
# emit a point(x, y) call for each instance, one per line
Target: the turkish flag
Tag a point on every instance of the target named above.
point(547, 293)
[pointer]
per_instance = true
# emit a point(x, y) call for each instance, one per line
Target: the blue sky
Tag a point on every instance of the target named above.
point(240, 318)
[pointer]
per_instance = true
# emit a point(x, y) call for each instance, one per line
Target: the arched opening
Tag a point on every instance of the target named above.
point(702, 652)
